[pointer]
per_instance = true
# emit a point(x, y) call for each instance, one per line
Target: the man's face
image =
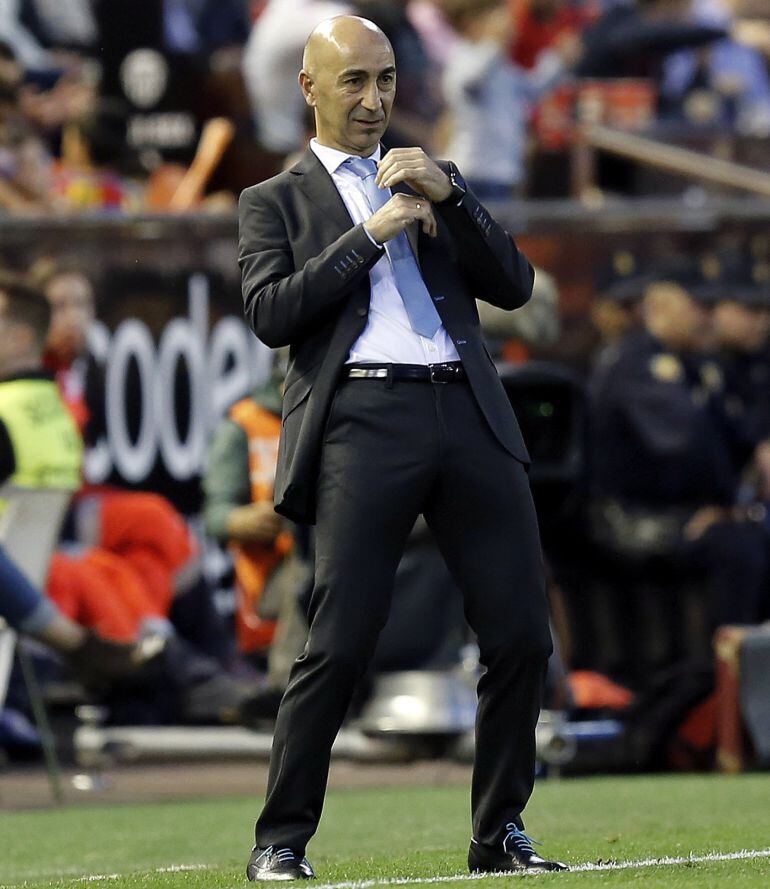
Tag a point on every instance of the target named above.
point(741, 327)
point(676, 318)
point(351, 88)
point(72, 311)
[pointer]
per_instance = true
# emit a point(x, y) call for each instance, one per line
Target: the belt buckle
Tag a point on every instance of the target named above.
point(436, 369)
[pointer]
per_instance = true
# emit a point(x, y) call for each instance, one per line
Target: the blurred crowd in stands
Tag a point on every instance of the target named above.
point(101, 109)
point(652, 459)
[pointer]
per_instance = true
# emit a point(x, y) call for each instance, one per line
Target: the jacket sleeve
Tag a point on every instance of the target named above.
point(282, 303)
point(490, 260)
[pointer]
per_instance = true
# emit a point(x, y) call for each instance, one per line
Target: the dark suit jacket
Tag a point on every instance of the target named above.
point(305, 269)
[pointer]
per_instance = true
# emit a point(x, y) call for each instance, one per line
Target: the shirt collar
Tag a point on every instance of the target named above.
point(333, 159)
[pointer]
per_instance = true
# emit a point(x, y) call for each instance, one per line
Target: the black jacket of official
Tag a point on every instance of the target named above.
point(305, 269)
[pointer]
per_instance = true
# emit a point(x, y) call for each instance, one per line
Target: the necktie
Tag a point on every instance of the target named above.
point(414, 294)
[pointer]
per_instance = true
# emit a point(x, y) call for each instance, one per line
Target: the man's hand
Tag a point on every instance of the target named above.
point(401, 210)
point(254, 523)
point(413, 167)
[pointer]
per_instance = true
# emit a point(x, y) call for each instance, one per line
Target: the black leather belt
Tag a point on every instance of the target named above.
point(448, 372)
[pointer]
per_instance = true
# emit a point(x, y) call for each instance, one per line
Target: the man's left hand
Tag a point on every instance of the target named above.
point(414, 168)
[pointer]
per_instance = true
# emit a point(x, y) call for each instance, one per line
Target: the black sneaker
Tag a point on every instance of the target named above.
point(516, 854)
point(278, 864)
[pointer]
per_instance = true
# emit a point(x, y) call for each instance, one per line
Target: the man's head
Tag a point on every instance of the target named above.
point(740, 326)
point(675, 318)
point(24, 319)
point(348, 78)
point(71, 297)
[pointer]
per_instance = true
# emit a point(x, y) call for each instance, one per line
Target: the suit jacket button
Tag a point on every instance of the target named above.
point(361, 312)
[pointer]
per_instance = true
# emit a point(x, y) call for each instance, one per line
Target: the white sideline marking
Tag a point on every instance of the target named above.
point(576, 868)
point(743, 855)
point(95, 878)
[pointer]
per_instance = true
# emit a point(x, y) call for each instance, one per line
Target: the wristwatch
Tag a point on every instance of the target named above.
point(459, 188)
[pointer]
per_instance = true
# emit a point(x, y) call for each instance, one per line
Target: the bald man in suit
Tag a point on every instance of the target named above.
point(367, 265)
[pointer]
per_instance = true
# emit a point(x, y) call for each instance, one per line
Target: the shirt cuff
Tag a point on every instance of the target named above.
point(368, 235)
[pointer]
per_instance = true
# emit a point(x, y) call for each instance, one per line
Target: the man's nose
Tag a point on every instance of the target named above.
point(372, 100)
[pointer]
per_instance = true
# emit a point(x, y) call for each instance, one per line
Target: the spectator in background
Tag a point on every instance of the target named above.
point(541, 25)
point(271, 59)
point(632, 40)
point(27, 186)
point(70, 294)
point(95, 660)
point(742, 334)
point(489, 99)
point(31, 120)
point(435, 33)
point(47, 89)
point(97, 171)
point(723, 84)
point(238, 512)
point(39, 447)
point(136, 536)
point(414, 120)
point(616, 308)
point(664, 476)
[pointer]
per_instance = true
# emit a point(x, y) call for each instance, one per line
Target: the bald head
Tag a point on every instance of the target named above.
point(348, 78)
point(337, 36)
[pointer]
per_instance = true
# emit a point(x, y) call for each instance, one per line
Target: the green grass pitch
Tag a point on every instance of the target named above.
point(410, 835)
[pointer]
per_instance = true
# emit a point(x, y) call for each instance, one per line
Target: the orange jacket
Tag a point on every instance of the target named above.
point(255, 562)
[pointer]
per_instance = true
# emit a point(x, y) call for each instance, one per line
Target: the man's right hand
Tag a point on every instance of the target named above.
point(254, 523)
point(401, 210)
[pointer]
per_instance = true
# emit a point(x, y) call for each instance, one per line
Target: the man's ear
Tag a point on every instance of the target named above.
point(306, 85)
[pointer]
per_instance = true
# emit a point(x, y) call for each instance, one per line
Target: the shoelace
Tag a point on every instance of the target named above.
point(522, 842)
point(283, 854)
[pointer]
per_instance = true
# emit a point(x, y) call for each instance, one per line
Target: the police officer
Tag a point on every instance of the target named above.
point(741, 321)
point(615, 308)
point(664, 474)
point(742, 334)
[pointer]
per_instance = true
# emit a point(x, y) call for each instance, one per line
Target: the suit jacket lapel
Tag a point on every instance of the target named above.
point(319, 186)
